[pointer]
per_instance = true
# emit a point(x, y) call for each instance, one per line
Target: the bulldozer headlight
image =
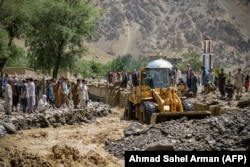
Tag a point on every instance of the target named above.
point(166, 108)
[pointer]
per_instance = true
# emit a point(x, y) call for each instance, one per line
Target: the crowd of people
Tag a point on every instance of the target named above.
point(227, 84)
point(32, 95)
point(57, 93)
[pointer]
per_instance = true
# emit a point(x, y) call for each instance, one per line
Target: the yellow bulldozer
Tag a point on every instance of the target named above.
point(154, 100)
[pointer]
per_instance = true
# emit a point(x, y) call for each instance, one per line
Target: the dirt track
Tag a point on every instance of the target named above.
point(79, 145)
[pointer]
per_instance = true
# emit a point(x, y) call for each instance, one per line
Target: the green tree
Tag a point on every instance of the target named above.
point(192, 58)
point(19, 58)
point(11, 23)
point(126, 62)
point(58, 28)
point(13, 18)
point(82, 67)
point(4, 49)
point(8, 53)
point(141, 61)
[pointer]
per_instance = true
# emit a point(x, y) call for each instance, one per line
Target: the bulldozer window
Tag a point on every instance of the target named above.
point(147, 79)
point(156, 77)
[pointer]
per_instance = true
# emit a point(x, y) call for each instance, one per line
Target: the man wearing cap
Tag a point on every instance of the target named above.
point(222, 82)
point(239, 82)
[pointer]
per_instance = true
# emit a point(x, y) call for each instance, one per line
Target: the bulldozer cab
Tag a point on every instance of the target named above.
point(156, 74)
point(155, 77)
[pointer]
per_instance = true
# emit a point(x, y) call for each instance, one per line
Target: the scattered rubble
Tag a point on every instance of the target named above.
point(230, 131)
point(16, 121)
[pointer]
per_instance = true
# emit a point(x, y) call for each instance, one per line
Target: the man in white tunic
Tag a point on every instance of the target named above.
point(43, 104)
point(8, 96)
point(32, 95)
point(177, 75)
point(83, 94)
point(239, 82)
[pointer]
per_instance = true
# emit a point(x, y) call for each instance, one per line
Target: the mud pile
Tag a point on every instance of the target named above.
point(16, 121)
point(230, 131)
point(61, 155)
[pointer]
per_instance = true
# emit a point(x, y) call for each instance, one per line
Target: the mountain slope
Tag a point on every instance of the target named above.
point(147, 27)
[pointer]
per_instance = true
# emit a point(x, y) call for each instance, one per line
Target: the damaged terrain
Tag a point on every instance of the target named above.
point(99, 136)
point(69, 144)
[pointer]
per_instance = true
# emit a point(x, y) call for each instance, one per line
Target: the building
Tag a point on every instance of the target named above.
point(24, 72)
point(19, 71)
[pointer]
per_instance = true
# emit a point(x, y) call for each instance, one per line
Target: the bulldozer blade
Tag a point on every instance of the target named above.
point(166, 116)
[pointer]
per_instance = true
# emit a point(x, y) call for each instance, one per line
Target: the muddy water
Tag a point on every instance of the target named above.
point(78, 145)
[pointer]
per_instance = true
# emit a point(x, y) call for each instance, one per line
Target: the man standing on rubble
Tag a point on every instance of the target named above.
point(229, 89)
point(204, 80)
point(194, 87)
point(8, 96)
point(65, 92)
point(177, 75)
point(135, 78)
point(239, 82)
point(222, 83)
point(124, 79)
point(83, 94)
point(31, 99)
point(75, 93)
point(210, 81)
point(24, 95)
point(189, 75)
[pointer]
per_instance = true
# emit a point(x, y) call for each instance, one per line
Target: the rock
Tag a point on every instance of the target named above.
point(221, 129)
point(85, 120)
point(162, 145)
point(240, 149)
point(1, 108)
point(104, 113)
point(243, 103)
point(3, 131)
point(10, 128)
point(133, 129)
point(56, 125)
point(188, 135)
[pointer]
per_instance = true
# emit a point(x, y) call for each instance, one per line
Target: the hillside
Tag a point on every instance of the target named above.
point(93, 53)
point(174, 27)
